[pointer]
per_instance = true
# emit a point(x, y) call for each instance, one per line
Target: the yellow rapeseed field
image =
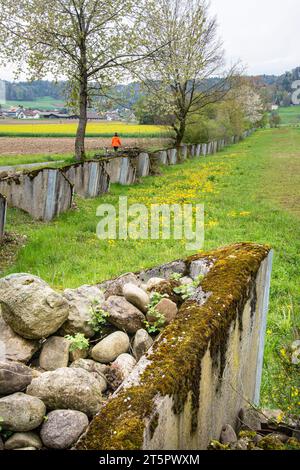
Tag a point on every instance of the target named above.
point(103, 128)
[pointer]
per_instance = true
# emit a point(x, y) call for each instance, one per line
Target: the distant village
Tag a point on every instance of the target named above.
point(20, 112)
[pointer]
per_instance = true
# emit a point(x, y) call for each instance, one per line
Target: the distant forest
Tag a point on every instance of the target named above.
point(277, 89)
point(31, 91)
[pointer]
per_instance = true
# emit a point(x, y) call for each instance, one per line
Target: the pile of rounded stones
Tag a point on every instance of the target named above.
point(260, 430)
point(48, 391)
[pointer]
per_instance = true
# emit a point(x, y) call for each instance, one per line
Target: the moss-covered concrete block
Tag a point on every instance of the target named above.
point(203, 367)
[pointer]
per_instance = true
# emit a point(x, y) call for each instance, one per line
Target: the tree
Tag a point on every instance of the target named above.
point(148, 112)
point(275, 120)
point(178, 77)
point(87, 42)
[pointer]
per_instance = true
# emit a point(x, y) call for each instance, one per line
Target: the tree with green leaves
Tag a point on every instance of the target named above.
point(90, 43)
point(180, 79)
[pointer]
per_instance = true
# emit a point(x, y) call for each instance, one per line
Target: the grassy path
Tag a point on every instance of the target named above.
point(250, 192)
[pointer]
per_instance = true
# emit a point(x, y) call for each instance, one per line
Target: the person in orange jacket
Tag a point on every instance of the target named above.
point(116, 142)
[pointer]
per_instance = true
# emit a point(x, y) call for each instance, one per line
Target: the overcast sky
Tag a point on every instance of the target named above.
point(263, 34)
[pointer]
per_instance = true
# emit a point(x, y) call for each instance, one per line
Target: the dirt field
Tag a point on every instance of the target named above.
point(51, 146)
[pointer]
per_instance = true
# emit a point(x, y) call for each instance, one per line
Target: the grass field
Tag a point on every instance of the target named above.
point(290, 115)
point(25, 159)
point(47, 102)
point(68, 129)
point(251, 193)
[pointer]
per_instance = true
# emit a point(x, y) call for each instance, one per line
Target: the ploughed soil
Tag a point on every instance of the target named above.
point(60, 145)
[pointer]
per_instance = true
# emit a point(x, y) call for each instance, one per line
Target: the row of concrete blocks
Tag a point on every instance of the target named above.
point(48, 192)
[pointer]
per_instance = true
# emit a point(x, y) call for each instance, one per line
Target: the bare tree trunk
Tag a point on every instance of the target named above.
point(81, 129)
point(180, 131)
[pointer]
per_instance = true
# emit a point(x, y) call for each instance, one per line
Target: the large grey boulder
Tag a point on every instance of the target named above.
point(62, 428)
point(68, 388)
point(109, 348)
point(94, 368)
point(124, 315)
point(125, 363)
point(14, 377)
point(81, 302)
point(136, 296)
point(19, 440)
point(13, 347)
point(21, 412)
point(90, 366)
point(55, 353)
point(141, 344)
point(30, 307)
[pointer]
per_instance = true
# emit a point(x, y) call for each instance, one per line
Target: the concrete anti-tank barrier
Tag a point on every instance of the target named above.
point(2, 215)
point(121, 169)
point(172, 156)
point(43, 193)
point(90, 179)
point(143, 165)
point(203, 368)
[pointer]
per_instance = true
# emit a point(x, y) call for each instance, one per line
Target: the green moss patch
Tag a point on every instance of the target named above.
point(175, 368)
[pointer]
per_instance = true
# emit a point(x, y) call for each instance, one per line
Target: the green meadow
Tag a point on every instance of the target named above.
point(251, 192)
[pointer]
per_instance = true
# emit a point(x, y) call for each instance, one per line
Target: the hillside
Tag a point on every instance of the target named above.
point(43, 94)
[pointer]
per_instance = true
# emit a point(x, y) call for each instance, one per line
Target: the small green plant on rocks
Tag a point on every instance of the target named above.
point(175, 277)
point(78, 341)
point(157, 325)
point(186, 291)
point(98, 317)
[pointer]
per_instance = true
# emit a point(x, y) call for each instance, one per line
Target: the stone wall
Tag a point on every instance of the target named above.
point(90, 179)
point(203, 367)
point(43, 193)
point(2, 215)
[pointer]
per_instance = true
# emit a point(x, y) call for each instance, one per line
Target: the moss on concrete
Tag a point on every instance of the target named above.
point(175, 368)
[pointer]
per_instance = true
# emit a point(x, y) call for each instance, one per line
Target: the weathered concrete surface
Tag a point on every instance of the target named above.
point(161, 157)
point(184, 152)
point(172, 156)
point(90, 179)
point(198, 150)
point(43, 193)
point(2, 215)
point(113, 168)
point(121, 169)
point(127, 172)
point(214, 147)
point(202, 369)
point(143, 165)
point(193, 151)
